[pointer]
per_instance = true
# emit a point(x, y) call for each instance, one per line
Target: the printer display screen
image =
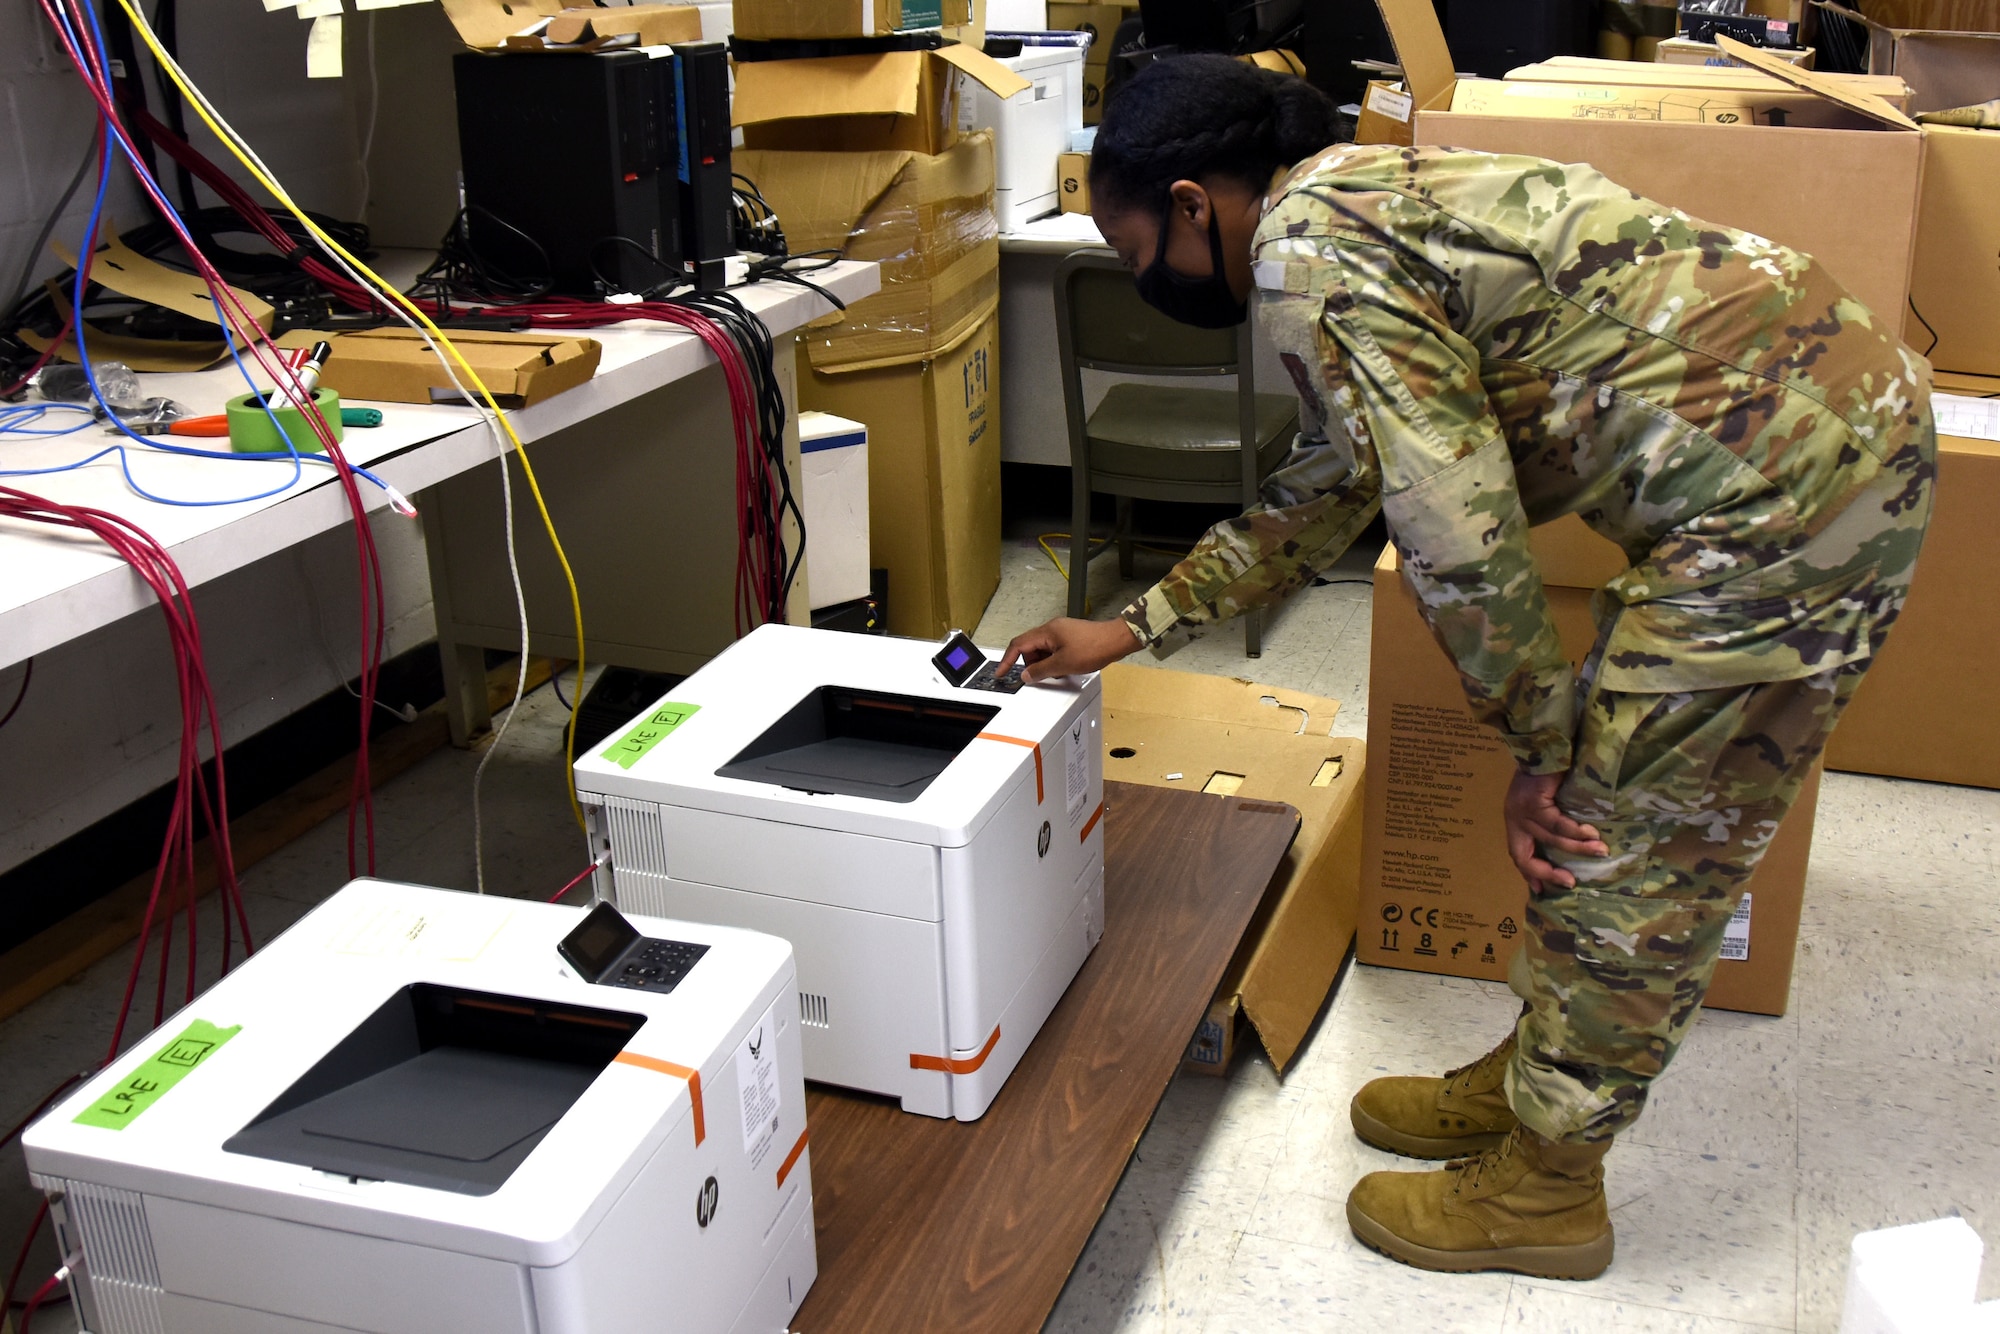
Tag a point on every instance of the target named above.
point(596, 944)
point(959, 659)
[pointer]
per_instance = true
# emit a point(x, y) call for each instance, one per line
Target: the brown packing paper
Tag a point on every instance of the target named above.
point(1269, 744)
point(1438, 892)
point(494, 25)
point(118, 269)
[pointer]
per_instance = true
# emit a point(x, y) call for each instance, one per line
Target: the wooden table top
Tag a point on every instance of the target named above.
point(929, 1224)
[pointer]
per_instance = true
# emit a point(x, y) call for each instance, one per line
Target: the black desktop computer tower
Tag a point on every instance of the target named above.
point(579, 153)
point(702, 167)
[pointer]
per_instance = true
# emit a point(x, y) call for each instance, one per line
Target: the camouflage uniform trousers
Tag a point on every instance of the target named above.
point(1686, 790)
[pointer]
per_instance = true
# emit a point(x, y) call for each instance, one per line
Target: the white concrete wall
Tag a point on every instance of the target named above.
point(100, 726)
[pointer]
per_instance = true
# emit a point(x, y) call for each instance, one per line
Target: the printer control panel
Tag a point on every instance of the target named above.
point(608, 951)
point(961, 663)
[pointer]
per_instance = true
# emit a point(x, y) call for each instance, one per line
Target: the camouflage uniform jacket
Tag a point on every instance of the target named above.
point(1485, 343)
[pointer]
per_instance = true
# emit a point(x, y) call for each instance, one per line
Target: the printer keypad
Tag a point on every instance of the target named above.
point(1008, 684)
point(657, 965)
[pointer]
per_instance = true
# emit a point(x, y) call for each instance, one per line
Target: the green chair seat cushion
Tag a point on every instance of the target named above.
point(1184, 435)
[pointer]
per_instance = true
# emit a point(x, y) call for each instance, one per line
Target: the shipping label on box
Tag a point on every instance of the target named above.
point(1439, 893)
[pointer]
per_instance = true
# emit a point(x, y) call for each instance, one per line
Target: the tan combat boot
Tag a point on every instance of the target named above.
point(1533, 1206)
point(1465, 1112)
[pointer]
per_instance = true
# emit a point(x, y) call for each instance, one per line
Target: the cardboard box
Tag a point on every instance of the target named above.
point(1925, 709)
point(833, 486)
point(1073, 182)
point(1954, 308)
point(1093, 94)
point(893, 101)
point(933, 475)
point(394, 365)
point(927, 220)
point(1388, 115)
point(1100, 21)
point(1681, 51)
point(538, 25)
point(1238, 738)
point(780, 20)
point(1631, 102)
point(1948, 51)
point(1848, 197)
point(1438, 892)
point(1737, 78)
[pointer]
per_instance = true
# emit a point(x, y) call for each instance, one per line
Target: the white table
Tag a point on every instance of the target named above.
point(56, 586)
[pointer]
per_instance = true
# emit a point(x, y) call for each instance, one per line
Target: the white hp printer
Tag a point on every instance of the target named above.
point(928, 838)
point(410, 1114)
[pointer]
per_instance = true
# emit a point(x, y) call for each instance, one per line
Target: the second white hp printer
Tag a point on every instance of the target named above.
point(928, 839)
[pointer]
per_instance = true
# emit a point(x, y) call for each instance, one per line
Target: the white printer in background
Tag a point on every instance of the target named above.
point(409, 1115)
point(1032, 127)
point(928, 839)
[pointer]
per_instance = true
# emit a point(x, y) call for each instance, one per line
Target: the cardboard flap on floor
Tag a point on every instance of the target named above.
point(1232, 737)
point(396, 366)
point(1812, 81)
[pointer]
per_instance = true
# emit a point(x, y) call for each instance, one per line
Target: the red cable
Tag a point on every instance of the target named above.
point(42, 1294)
point(580, 877)
point(21, 1261)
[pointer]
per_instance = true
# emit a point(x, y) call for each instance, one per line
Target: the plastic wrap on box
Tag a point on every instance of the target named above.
point(927, 220)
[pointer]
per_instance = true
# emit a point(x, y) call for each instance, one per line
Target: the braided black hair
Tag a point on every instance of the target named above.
point(1195, 116)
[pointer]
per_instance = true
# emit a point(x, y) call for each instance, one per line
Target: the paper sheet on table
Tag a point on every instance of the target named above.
point(1968, 418)
point(1078, 227)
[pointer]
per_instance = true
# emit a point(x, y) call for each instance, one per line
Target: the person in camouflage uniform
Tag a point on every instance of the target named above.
point(1485, 343)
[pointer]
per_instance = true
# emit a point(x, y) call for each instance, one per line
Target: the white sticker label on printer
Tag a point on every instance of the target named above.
point(392, 932)
point(1736, 936)
point(757, 1083)
point(1076, 767)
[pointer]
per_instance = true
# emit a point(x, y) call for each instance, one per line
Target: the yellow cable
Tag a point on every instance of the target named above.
point(1043, 542)
point(388, 290)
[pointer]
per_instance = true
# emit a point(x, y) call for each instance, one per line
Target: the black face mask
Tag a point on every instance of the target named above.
point(1206, 303)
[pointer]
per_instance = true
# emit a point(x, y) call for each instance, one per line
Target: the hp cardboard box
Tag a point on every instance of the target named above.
point(1438, 892)
point(933, 474)
point(1926, 708)
point(1238, 738)
point(1954, 308)
point(1847, 196)
point(1073, 182)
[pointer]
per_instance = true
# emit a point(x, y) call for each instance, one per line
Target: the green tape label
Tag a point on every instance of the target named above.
point(156, 1078)
point(922, 14)
point(649, 732)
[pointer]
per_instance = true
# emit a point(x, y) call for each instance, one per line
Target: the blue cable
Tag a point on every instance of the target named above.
point(291, 450)
point(23, 413)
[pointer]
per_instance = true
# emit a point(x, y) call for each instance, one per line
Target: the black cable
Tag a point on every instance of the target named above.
point(49, 225)
point(672, 276)
point(27, 675)
point(1926, 323)
point(166, 27)
point(555, 684)
point(460, 271)
point(1323, 582)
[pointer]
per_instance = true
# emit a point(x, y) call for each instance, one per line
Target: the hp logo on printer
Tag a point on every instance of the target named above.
point(1042, 841)
point(704, 1202)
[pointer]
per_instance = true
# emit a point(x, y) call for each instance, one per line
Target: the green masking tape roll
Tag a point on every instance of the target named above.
point(251, 431)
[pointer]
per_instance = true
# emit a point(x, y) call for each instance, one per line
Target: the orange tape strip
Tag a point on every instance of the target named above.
point(693, 1078)
point(1091, 823)
point(960, 1066)
point(1035, 746)
point(792, 1158)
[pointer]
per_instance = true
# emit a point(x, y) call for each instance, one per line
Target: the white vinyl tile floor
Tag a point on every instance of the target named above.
point(1874, 1101)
